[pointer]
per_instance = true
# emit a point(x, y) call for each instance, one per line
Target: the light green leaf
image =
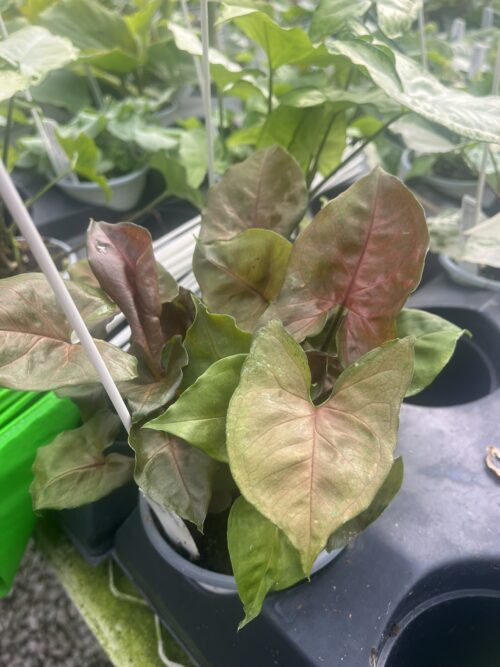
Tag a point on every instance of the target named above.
point(193, 153)
point(404, 80)
point(12, 82)
point(137, 129)
point(283, 46)
point(89, 25)
point(63, 89)
point(262, 557)
point(199, 414)
point(176, 179)
point(385, 495)
point(242, 276)
point(302, 130)
point(73, 470)
point(211, 337)
point(36, 352)
point(309, 469)
point(84, 157)
point(395, 17)
point(435, 342)
point(173, 474)
point(332, 15)
point(422, 136)
point(35, 51)
point(267, 190)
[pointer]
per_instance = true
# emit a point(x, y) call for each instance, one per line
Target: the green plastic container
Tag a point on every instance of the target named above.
point(28, 420)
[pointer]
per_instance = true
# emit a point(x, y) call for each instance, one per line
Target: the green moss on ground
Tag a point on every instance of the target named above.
point(125, 630)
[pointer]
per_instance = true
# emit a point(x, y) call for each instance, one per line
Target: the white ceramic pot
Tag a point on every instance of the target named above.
point(126, 191)
point(223, 584)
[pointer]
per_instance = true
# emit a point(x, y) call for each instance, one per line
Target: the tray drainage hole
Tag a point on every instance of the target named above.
point(461, 632)
point(472, 372)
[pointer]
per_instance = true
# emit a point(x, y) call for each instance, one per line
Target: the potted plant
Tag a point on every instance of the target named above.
point(235, 397)
point(25, 65)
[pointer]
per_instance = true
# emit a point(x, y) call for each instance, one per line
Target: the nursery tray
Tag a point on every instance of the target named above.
point(421, 587)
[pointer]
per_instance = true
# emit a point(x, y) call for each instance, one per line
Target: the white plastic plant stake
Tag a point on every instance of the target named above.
point(206, 91)
point(482, 172)
point(27, 227)
point(457, 31)
point(421, 32)
point(197, 65)
point(477, 60)
point(487, 17)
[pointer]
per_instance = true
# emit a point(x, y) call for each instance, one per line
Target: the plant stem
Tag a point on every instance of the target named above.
point(356, 152)
point(29, 202)
point(313, 167)
point(333, 328)
point(270, 91)
point(8, 130)
point(157, 200)
point(220, 106)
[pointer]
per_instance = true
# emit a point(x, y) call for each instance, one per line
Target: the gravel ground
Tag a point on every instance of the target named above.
point(40, 627)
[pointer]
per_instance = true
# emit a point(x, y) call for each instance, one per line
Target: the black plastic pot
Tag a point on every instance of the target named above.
point(92, 527)
point(420, 584)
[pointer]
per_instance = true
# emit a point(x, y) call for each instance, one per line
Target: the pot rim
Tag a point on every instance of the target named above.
point(464, 277)
point(204, 577)
point(113, 182)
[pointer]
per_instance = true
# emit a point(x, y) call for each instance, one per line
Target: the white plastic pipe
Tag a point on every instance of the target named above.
point(27, 227)
point(206, 92)
point(484, 160)
point(423, 40)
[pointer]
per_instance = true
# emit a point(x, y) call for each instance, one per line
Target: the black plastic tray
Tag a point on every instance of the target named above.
point(421, 587)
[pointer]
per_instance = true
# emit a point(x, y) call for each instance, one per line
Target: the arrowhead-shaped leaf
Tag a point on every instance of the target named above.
point(385, 495)
point(305, 132)
point(395, 17)
point(309, 469)
point(406, 82)
point(435, 342)
point(199, 414)
point(35, 51)
point(172, 473)
point(36, 352)
point(211, 337)
point(122, 258)
point(73, 470)
point(282, 46)
point(262, 557)
point(364, 252)
point(146, 397)
point(267, 190)
point(242, 276)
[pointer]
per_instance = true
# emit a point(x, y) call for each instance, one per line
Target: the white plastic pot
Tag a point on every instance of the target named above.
point(452, 188)
point(455, 189)
point(214, 582)
point(126, 191)
point(463, 273)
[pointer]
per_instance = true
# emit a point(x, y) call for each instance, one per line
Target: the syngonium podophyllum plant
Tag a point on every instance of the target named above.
point(277, 394)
